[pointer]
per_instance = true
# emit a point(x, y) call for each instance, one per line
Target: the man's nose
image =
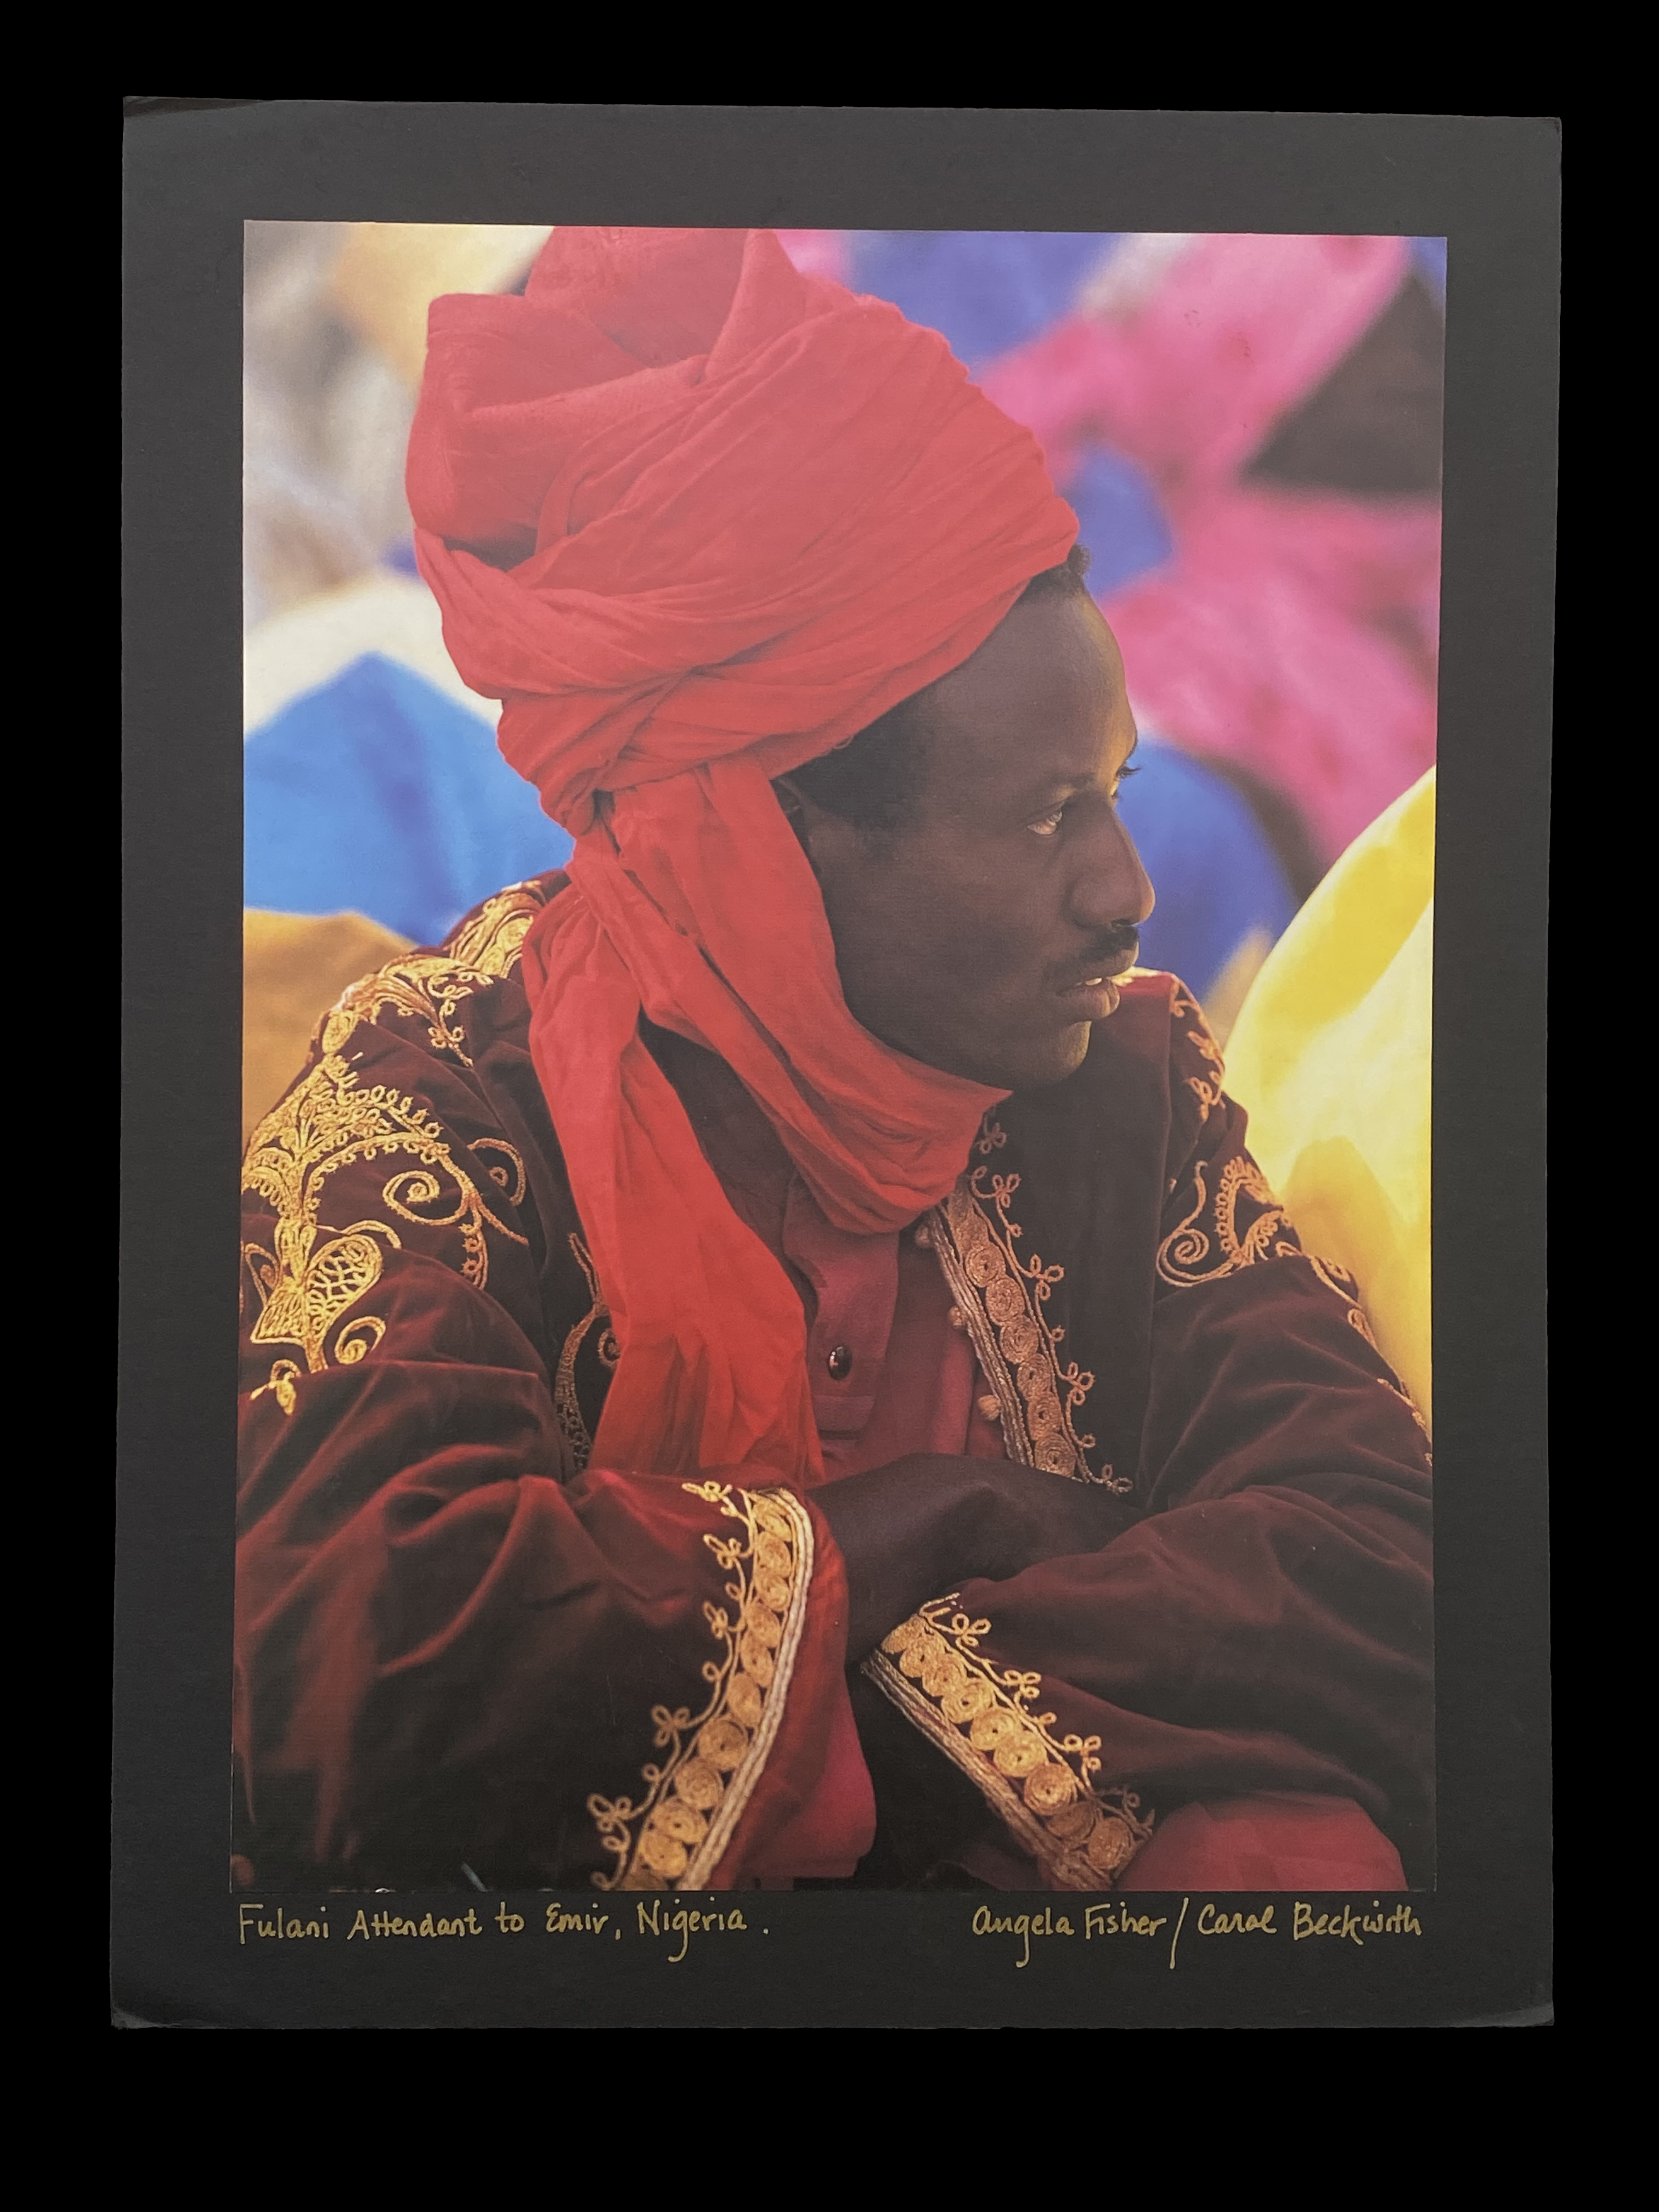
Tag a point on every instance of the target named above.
point(1111, 885)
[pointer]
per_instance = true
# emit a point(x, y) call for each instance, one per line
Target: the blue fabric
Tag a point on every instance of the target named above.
point(984, 290)
point(1216, 876)
point(1429, 259)
point(378, 794)
point(1120, 520)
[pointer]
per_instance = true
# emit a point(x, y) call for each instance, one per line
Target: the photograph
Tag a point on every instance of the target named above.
point(838, 848)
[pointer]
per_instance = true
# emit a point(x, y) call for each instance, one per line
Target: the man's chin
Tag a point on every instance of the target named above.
point(1020, 1064)
point(1040, 1066)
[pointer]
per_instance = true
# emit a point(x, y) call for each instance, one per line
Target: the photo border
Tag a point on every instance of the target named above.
point(194, 173)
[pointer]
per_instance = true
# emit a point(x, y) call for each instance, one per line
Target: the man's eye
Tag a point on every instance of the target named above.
point(1045, 825)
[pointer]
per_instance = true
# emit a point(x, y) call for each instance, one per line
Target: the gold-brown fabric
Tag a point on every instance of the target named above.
point(293, 968)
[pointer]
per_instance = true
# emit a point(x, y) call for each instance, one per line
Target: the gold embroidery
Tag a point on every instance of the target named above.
point(566, 1403)
point(980, 1716)
point(1208, 1090)
point(282, 1378)
point(1405, 1400)
point(1347, 1289)
point(1183, 1253)
point(998, 1297)
point(508, 1175)
point(431, 986)
point(677, 1834)
point(1357, 1321)
point(1182, 1256)
point(325, 1124)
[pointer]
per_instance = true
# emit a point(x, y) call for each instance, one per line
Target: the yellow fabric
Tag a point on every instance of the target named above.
point(1227, 994)
point(295, 966)
point(389, 274)
point(1330, 1057)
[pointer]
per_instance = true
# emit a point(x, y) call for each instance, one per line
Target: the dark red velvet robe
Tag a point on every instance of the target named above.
point(460, 1646)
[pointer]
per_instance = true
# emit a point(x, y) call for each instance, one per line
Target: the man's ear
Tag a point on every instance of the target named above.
point(800, 813)
point(829, 840)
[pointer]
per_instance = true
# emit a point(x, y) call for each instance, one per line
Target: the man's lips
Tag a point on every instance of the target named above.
point(1091, 974)
point(1088, 989)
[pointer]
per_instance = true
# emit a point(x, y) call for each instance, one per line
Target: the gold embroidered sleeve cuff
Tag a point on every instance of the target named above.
point(676, 1835)
point(984, 1718)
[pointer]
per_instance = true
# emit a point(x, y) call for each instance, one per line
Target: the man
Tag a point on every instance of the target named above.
point(766, 1358)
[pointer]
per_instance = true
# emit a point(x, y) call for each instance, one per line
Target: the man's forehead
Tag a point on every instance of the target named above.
point(1044, 694)
point(1051, 651)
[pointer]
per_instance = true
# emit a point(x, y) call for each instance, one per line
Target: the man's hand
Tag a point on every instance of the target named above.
point(914, 1530)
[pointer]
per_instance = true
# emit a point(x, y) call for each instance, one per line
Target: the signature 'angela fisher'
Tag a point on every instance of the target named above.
point(1345, 1923)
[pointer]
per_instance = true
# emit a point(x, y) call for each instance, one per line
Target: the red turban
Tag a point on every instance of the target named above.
point(696, 519)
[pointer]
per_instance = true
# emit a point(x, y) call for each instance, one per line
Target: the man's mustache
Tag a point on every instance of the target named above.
point(1114, 949)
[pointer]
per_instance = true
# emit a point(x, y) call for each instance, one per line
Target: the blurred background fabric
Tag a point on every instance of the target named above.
point(294, 967)
point(1248, 428)
point(1330, 1058)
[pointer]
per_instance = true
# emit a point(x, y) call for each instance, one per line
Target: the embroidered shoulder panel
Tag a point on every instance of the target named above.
point(676, 1835)
point(1186, 1015)
point(315, 1273)
point(982, 1717)
point(1232, 1220)
point(1000, 1296)
point(431, 987)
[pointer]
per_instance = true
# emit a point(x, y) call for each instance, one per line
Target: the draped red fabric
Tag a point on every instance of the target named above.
point(696, 519)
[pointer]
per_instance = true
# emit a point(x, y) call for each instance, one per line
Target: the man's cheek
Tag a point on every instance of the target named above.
point(983, 953)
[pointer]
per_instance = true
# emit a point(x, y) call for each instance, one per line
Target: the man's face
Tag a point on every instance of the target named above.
point(981, 938)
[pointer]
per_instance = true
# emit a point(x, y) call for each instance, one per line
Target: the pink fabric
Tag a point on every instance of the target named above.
point(1191, 383)
point(1296, 637)
point(1294, 634)
point(819, 253)
point(1275, 1841)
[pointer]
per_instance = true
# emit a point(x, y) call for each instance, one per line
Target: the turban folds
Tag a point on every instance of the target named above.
point(696, 517)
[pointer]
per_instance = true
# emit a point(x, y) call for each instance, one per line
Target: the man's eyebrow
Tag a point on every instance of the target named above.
point(1052, 789)
point(1062, 787)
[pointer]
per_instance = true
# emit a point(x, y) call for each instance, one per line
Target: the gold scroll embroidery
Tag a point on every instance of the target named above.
point(981, 1716)
point(1209, 1242)
point(430, 986)
point(283, 1376)
point(566, 1403)
point(1347, 1289)
point(1206, 1088)
point(1409, 1403)
point(676, 1835)
point(1000, 1297)
point(326, 1123)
